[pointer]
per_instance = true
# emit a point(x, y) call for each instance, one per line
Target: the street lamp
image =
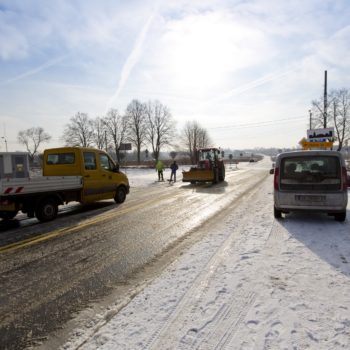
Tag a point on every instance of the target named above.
point(3, 137)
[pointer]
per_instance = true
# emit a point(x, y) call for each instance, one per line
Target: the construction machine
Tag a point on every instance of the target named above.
point(210, 167)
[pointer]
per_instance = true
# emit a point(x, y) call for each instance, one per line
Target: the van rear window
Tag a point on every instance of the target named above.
point(310, 173)
point(60, 158)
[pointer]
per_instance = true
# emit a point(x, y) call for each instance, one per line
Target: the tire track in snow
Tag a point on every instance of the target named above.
point(217, 331)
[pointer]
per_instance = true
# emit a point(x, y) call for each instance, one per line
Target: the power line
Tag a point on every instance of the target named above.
point(262, 123)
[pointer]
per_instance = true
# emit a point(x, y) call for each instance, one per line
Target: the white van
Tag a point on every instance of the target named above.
point(311, 181)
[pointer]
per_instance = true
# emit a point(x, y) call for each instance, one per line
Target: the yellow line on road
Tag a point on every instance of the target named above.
point(31, 241)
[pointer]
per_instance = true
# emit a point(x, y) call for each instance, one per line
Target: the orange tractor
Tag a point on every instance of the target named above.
point(210, 167)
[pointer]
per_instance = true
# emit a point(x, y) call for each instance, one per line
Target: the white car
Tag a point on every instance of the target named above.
point(311, 181)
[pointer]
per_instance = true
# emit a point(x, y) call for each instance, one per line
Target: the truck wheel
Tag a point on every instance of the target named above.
point(46, 210)
point(8, 215)
point(120, 195)
point(340, 216)
point(277, 213)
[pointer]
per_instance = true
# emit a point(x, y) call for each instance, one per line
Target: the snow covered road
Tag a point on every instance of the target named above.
point(251, 283)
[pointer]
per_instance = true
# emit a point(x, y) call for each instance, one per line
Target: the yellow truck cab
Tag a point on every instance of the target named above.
point(70, 174)
point(100, 175)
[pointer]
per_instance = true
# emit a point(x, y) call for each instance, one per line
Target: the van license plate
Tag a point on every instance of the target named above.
point(306, 198)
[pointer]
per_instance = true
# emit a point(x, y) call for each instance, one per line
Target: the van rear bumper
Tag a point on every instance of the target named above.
point(321, 202)
point(330, 210)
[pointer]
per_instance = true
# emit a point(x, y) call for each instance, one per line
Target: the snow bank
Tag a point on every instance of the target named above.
point(252, 283)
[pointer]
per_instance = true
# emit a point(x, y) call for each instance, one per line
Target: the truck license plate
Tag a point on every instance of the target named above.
point(307, 198)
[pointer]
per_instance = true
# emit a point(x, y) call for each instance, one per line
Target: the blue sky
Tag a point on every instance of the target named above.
point(245, 70)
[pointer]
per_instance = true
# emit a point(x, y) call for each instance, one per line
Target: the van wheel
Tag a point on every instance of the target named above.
point(8, 215)
point(120, 195)
point(46, 210)
point(340, 216)
point(277, 213)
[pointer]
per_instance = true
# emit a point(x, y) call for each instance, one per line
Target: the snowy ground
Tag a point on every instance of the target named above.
point(251, 283)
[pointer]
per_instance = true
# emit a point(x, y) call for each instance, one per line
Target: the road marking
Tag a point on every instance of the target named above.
point(31, 241)
point(89, 222)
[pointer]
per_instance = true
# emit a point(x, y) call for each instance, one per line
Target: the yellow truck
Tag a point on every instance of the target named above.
point(70, 174)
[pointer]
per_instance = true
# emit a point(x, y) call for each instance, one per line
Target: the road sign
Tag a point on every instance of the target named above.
point(318, 145)
point(320, 135)
point(125, 147)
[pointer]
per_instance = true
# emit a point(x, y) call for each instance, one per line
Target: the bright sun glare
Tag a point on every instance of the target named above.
point(203, 50)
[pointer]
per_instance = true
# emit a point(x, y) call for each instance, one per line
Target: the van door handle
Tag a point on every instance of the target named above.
point(104, 175)
point(87, 176)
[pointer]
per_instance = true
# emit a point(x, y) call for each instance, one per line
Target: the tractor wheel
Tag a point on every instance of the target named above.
point(222, 174)
point(216, 176)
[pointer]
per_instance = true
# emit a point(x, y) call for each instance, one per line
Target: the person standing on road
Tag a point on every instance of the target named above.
point(159, 169)
point(173, 168)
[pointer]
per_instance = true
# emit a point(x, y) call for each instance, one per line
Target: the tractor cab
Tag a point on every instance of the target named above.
point(208, 157)
point(210, 167)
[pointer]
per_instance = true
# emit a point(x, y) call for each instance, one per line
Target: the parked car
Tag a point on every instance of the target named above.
point(311, 181)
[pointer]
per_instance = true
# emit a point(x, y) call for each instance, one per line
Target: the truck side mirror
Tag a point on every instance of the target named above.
point(116, 168)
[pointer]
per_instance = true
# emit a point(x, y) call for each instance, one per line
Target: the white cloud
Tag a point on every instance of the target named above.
point(34, 70)
point(198, 53)
point(132, 58)
point(237, 55)
point(335, 50)
point(13, 43)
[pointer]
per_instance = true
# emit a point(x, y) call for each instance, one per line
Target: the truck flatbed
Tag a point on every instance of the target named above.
point(23, 186)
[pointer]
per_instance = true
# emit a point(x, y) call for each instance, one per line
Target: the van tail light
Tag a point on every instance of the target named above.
point(276, 178)
point(344, 179)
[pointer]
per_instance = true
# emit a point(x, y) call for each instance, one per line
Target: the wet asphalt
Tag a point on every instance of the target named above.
point(51, 271)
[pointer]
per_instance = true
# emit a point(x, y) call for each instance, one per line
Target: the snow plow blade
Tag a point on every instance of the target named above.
point(198, 175)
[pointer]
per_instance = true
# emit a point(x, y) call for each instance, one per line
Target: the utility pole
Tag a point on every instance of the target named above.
point(325, 100)
point(3, 137)
point(310, 119)
point(106, 140)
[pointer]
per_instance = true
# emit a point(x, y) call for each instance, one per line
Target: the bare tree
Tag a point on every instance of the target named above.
point(136, 121)
point(80, 131)
point(338, 114)
point(160, 127)
point(194, 137)
point(100, 133)
point(203, 138)
point(341, 116)
point(32, 138)
point(116, 127)
point(321, 117)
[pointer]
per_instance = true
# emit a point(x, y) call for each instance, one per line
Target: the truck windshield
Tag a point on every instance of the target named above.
point(106, 163)
point(311, 173)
